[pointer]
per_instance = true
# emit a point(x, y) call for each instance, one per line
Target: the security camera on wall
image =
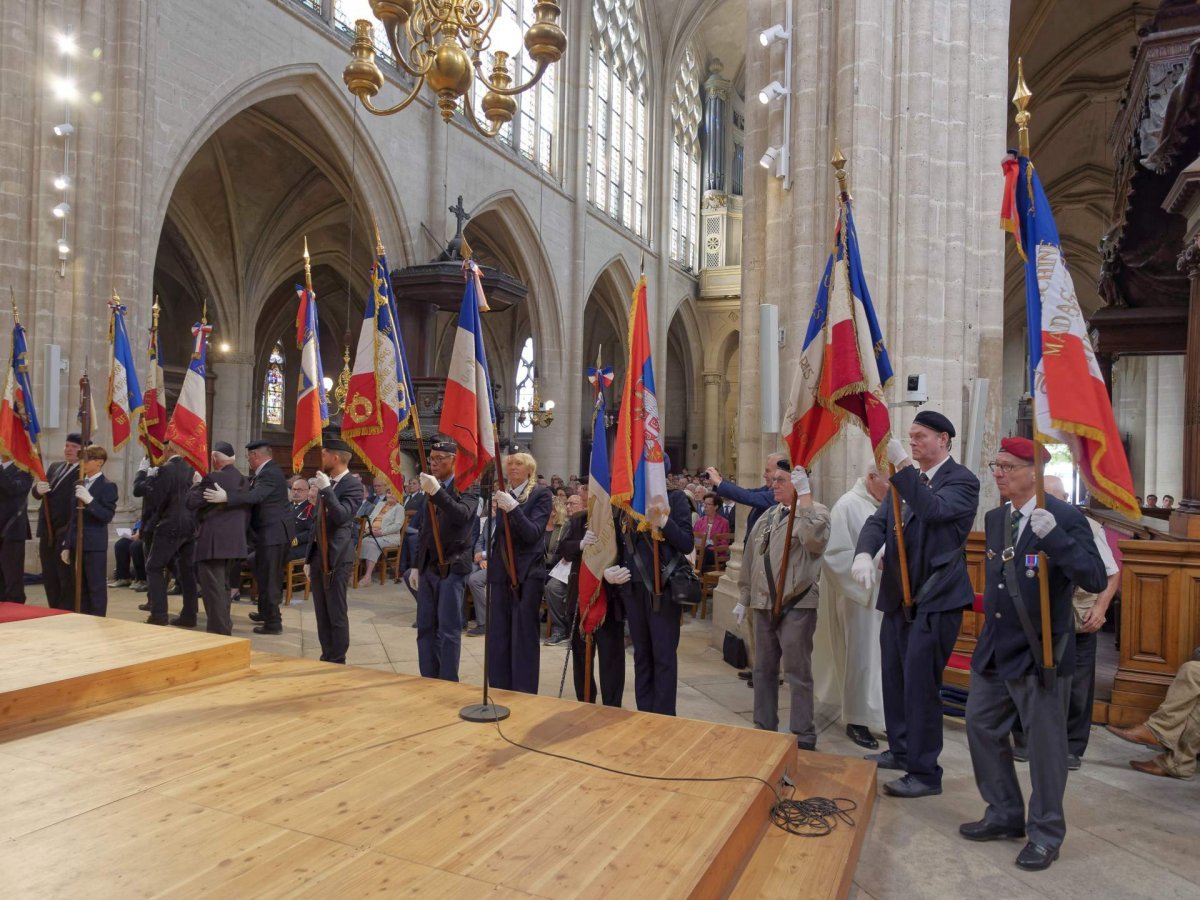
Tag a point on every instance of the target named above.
point(915, 390)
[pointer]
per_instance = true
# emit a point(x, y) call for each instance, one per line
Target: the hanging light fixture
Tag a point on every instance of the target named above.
point(443, 44)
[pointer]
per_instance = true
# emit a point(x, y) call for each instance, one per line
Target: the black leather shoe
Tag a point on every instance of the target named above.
point(255, 617)
point(1074, 763)
point(983, 830)
point(745, 674)
point(910, 787)
point(806, 745)
point(181, 622)
point(153, 621)
point(886, 760)
point(861, 735)
point(144, 607)
point(1034, 857)
point(278, 629)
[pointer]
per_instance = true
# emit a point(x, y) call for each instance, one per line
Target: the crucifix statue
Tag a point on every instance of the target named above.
point(454, 248)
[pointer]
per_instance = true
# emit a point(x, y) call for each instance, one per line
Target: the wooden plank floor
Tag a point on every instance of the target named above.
point(56, 664)
point(299, 778)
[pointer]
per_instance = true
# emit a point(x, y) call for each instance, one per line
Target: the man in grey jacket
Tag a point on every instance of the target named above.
point(791, 637)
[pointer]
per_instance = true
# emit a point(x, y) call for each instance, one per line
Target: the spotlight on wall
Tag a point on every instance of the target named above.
point(61, 210)
point(66, 129)
point(224, 346)
point(771, 91)
point(769, 158)
point(66, 44)
point(64, 249)
point(61, 182)
point(772, 34)
point(64, 88)
point(327, 383)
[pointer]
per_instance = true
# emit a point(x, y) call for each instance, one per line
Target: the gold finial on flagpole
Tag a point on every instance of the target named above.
point(155, 309)
point(16, 315)
point(378, 239)
point(204, 312)
point(839, 168)
point(307, 267)
point(1021, 98)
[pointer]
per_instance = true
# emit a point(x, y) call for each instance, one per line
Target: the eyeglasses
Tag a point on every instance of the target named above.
point(1007, 468)
point(440, 457)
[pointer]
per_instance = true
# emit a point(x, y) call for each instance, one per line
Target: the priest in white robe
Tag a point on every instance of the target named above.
point(846, 646)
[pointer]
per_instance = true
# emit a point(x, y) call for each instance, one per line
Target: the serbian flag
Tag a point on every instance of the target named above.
point(468, 412)
point(19, 428)
point(593, 603)
point(1070, 401)
point(124, 394)
point(639, 477)
point(844, 367)
point(153, 424)
point(312, 408)
point(379, 401)
point(188, 428)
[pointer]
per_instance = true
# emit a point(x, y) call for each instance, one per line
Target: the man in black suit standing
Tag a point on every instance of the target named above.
point(331, 550)
point(270, 524)
point(57, 494)
point(14, 528)
point(174, 541)
point(98, 496)
point(940, 498)
point(221, 536)
point(303, 518)
point(1007, 678)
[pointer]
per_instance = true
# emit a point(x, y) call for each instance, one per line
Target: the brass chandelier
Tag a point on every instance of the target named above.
point(445, 42)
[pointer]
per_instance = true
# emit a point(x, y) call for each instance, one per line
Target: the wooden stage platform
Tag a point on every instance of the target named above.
point(287, 777)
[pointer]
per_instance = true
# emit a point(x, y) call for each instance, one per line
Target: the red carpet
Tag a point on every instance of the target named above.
point(16, 612)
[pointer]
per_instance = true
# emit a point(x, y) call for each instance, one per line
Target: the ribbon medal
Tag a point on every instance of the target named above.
point(1031, 564)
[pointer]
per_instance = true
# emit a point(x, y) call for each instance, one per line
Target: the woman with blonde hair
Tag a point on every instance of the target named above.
point(514, 655)
point(383, 529)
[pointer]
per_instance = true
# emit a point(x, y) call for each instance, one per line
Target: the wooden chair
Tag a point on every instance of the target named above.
point(710, 574)
point(293, 579)
point(362, 530)
point(390, 556)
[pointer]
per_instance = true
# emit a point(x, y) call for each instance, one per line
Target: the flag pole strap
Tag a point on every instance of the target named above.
point(777, 612)
point(429, 506)
point(510, 562)
point(900, 551)
point(85, 428)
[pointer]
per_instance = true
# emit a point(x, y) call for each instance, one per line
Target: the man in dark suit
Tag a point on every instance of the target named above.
point(653, 621)
point(270, 524)
point(439, 588)
point(414, 502)
point(1007, 677)
point(609, 636)
point(940, 499)
point(98, 496)
point(220, 536)
point(514, 654)
point(174, 541)
point(14, 528)
point(57, 494)
point(331, 550)
point(303, 518)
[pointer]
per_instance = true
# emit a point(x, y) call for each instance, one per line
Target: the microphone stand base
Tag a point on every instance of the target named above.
point(484, 712)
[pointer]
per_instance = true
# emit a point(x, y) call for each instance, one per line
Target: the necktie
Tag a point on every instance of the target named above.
point(924, 479)
point(1015, 527)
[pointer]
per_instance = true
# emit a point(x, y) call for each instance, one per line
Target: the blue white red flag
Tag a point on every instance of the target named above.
point(1070, 400)
point(124, 393)
point(468, 411)
point(19, 428)
point(639, 477)
point(312, 408)
point(153, 424)
point(843, 368)
point(188, 428)
point(598, 556)
point(379, 402)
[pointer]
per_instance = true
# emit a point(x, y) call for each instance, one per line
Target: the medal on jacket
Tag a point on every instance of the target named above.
point(1031, 562)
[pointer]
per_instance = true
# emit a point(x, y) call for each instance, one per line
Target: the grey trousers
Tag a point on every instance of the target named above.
point(476, 583)
point(993, 705)
point(793, 642)
point(212, 575)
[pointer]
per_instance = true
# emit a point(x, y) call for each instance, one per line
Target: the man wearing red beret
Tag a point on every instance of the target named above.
point(1007, 679)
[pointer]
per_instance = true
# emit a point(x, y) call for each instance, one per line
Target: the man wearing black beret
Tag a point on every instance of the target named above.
point(940, 498)
point(57, 494)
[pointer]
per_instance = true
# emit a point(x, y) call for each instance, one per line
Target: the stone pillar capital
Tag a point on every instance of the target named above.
point(1189, 259)
point(712, 378)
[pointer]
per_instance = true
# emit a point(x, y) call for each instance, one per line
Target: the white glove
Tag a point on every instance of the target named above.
point(429, 484)
point(215, 494)
point(863, 570)
point(144, 465)
point(413, 579)
point(589, 537)
point(197, 477)
point(800, 481)
point(1042, 522)
point(322, 480)
point(152, 471)
point(306, 568)
point(43, 487)
point(65, 556)
point(506, 501)
point(658, 515)
point(616, 575)
point(739, 613)
point(896, 453)
point(82, 493)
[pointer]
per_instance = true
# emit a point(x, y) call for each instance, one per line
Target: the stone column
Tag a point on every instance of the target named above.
point(716, 93)
point(233, 398)
point(711, 444)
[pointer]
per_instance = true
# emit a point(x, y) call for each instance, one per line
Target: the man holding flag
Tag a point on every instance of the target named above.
point(20, 464)
point(655, 530)
point(312, 409)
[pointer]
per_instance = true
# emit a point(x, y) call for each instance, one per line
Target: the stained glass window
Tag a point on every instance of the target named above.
point(525, 376)
point(531, 132)
point(617, 113)
point(346, 12)
point(685, 159)
point(272, 402)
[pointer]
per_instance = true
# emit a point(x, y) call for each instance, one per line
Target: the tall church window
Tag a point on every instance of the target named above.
point(525, 376)
point(685, 158)
point(531, 132)
point(346, 12)
point(272, 401)
point(618, 116)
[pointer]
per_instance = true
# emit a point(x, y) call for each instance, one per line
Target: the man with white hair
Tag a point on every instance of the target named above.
point(850, 624)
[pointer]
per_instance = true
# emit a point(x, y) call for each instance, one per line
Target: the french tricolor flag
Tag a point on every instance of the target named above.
point(468, 412)
point(188, 428)
point(124, 394)
point(312, 408)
